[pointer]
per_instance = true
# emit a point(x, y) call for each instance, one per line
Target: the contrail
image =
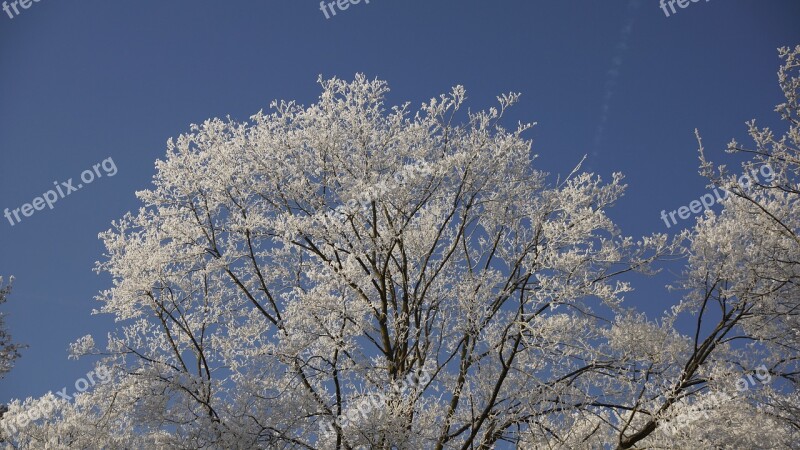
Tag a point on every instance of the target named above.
point(613, 73)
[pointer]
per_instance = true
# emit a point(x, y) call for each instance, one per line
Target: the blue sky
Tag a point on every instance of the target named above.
point(84, 81)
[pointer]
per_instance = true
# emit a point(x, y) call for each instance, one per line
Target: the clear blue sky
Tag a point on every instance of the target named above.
point(81, 81)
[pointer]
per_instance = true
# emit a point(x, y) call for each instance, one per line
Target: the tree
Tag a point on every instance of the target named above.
point(346, 276)
point(282, 270)
point(752, 249)
point(741, 373)
point(8, 350)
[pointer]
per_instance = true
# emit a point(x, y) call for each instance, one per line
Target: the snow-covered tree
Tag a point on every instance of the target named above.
point(283, 270)
point(349, 275)
point(751, 251)
point(8, 350)
point(738, 386)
